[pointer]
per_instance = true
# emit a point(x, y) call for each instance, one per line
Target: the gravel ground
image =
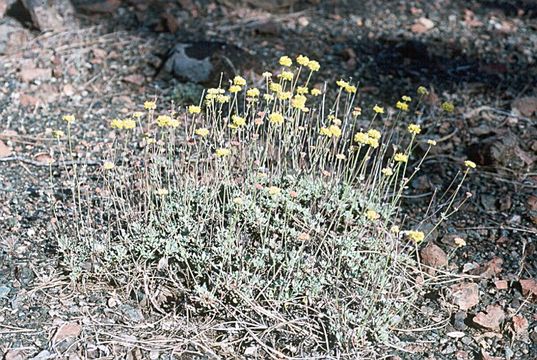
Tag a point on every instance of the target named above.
point(481, 55)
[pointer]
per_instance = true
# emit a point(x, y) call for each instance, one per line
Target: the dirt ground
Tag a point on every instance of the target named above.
point(480, 55)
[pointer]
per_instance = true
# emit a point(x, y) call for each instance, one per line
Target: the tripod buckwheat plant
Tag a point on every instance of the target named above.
point(269, 210)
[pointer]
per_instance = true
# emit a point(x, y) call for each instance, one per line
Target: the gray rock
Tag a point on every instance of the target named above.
point(4, 291)
point(131, 313)
point(12, 36)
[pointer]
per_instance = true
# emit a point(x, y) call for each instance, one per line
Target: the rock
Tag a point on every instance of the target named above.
point(99, 6)
point(67, 330)
point(135, 79)
point(44, 355)
point(4, 290)
point(12, 36)
point(433, 256)
point(28, 74)
point(491, 318)
point(202, 62)
point(526, 106)
point(486, 356)
point(131, 313)
point(5, 150)
point(5, 5)
point(28, 100)
point(51, 14)
point(465, 295)
point(422, 25)
point(455, 334)
point(531, 203)
point(501, 284)
point(520, 325)
point(490, 269)
point(458, 320)
point(14, 354)
point(529, 287)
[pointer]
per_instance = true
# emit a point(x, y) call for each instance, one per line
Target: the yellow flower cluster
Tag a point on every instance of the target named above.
point(239, 80)
point(286, 75)
point(127, 124)
point(370, 138)
point(315, 92)
point(378, 109)
point(351, 89)
point(422, 90)
point(401, 105)
point(237, 121)
point(108, 165)
point(286, 61)
point(372, 215)
point(58, 134)
point(470, 164)
point(253, 92)
point(222, 152)
point(448, 107)
point(299, 102)
point(276, 118)
point(68, 118)
point(400, 157)
point(387, 171)
point(416, 236)
point(167, 121)
point(193, 109)
point(414, 129)
point(203, 132)
point(150, 105)
point(331, 131)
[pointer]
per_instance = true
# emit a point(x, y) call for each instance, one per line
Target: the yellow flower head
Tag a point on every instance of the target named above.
point(414, 129)
point(422, 90)
point(302, 60)
point(58, 134)
point(406, 98)
point(400, 157)
point(351, 89)
point(193, 109)
point(373, 133)
point(116, 124)
point(238, 121)
point(239, 80)
point(222, 152)
point(342, 83)
point(416, 236)
point(401, 105)
point(357, 111)
point(286, 75)
point(150, 105)
point(284, 95)
point(335, 130)
point(470, 164)
point(301, 90)
point(431, 142)
point(68, 118)
point(238, 201)
point(314, 65)
point(361, 138)
point(299, 101)
point(161, 192)
point(315, 92)
point(203, 132)
point(276, 118)
point(378, 109)
point(325, 131)
point(387, 171)
point(234, 89)
point(267, 74)
point(374, 143)
point(222, 98)
point(448, 107)
point(253, 92)
point(275, 87)
point(274, 190)
point(372, 215)
point(129, 124)
point(286, 61)
point(108, 165)
point(137, 114)
point(164, 120)
point(340, 156)
point(268, 97)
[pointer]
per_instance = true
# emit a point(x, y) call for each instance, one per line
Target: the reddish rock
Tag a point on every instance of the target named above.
point(465, 295)
point(491, 318)
point(529, 287)
point(135, 79)
point(433, 256)
point(501, 284)
point(67, 330)
point(520, 325)
point(5, 151)
point(490, 269)
point(30, 74)
point(28, 100)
